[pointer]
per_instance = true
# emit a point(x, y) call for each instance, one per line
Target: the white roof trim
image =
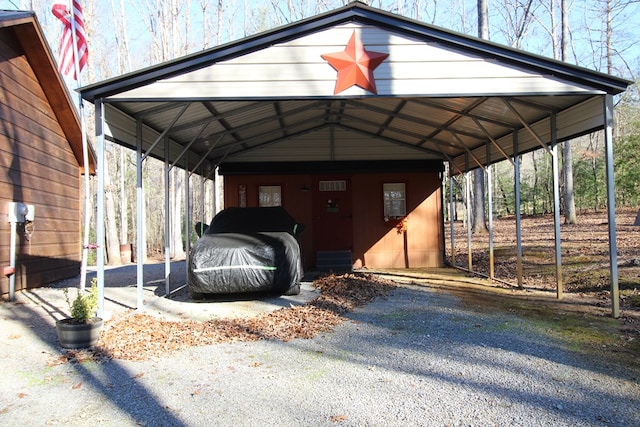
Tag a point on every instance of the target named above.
point(296, 70)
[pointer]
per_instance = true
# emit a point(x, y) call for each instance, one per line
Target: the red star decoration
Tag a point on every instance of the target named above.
point(355, 66)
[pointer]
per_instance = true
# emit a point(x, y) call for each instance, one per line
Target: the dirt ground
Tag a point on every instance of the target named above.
point(586, 284)
point(585, 254)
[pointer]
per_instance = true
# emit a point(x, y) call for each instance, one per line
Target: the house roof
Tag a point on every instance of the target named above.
point(28, 33)
point(273, 97)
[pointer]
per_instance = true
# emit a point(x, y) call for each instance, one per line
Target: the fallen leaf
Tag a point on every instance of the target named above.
point(338, 418)
point(140, 336)
point(22, 395)
point(76, 386)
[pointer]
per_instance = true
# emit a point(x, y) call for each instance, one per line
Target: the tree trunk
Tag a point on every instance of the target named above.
point(609, 38)
point(220, 11)
point(534, 190)
point(111, 229)
point(124, 203)
point(478, 219)
point(478, 222)
point(567, 159)
point(483, 20)
point(567, 174)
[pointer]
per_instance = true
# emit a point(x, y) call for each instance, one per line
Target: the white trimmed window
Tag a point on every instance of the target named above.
point(394, 199)
point(270, 195)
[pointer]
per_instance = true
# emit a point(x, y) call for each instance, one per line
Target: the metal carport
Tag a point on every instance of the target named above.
point(272, 98)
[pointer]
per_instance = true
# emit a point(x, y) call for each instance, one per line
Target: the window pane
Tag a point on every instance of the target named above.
point(270, 195)
point(394, 199)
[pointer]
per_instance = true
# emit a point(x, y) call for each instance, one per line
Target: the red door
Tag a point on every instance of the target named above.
point(332, 216)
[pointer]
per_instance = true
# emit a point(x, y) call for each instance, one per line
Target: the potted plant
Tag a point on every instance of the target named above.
point(83, 328)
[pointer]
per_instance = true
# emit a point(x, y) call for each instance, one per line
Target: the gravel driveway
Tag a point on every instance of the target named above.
point(420, 357)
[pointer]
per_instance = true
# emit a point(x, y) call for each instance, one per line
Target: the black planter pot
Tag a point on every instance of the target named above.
point(78, 335)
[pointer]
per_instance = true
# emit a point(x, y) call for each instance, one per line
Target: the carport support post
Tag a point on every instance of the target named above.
point(611, 208)
point(216, 196)
point(100, 237)
point(467, 177)
point(490, 217)
point(516, 179)
point(451, 218)
point(139, 217)
point(187, 216)
point(556, 205)
point(203, 181)
point(167, 220)
point(490, 213)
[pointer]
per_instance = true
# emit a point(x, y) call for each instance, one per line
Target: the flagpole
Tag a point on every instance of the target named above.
point(85, 152)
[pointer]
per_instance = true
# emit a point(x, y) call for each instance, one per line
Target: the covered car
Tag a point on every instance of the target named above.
point(247, 250)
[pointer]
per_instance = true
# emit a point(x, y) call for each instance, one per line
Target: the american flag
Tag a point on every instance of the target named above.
point(71, 19)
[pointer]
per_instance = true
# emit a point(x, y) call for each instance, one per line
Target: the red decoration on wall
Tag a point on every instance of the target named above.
point(355, 66)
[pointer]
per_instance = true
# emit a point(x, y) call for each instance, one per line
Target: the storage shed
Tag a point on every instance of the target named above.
point(41, 161)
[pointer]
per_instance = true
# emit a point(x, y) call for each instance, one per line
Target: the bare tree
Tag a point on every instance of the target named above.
point(220, 14)
point(567, 157)
point(100, 66)
point(124, 65)
point(478, 219)
point(518, 17)
point(111, 234)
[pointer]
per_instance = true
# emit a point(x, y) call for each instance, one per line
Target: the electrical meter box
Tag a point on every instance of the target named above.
point(20, 212)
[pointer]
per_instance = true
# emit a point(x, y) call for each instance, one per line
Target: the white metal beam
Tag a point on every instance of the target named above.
point(611, 206)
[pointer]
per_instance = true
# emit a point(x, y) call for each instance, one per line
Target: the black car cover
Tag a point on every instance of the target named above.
point(247, 250)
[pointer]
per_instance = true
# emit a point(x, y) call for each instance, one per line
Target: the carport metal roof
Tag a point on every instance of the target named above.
point(274, 97)
point(269, 97)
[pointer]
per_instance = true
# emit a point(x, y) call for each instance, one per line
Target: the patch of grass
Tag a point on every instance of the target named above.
point(504, 251)
point(578, 331)
point(628, 281)
point(505, 326)
point(403, 321)
point(633, 300)
point(538, 269)
point(537, 254)
point(588, 281)
point(580, 259)
point(43, 378)
point(316, 374)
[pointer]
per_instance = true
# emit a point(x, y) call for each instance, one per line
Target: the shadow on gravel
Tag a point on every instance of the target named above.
point(125, 276)
point(459, 341)
point(111, 380)
point(434, 335)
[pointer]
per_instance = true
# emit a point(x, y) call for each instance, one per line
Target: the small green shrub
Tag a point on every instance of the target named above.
point(84, 306)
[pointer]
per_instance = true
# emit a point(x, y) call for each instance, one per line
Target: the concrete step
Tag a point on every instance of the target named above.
point(336, 261)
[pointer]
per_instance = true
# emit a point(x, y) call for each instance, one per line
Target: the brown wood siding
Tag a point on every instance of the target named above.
point(295, 201)
point(379, 244)
point(38, 167)
point(376, 243)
